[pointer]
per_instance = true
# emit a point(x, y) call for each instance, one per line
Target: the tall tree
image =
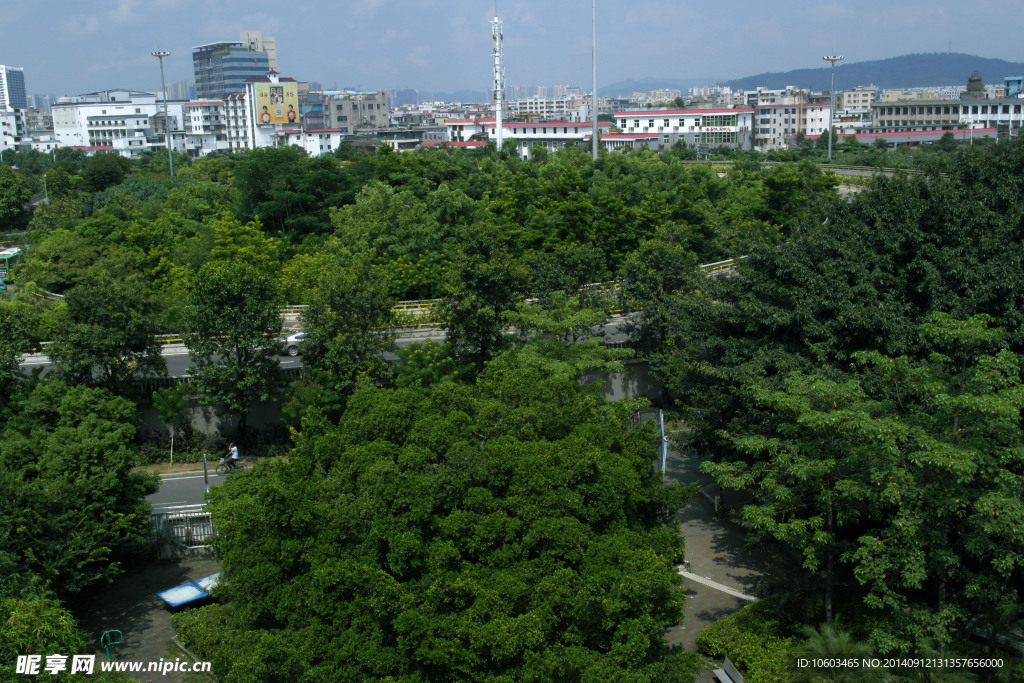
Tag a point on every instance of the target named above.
point(14, 194)
point(485, 284)
point(105, 170)
point(106, 334)
point(232, 322)
point(902, 484)
point(510, 530)
point(348, 328)
point(69, 502)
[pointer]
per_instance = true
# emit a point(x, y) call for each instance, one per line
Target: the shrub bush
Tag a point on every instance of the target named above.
point(756, 639)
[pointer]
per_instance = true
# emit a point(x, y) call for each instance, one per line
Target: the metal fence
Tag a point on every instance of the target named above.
point(187, 528)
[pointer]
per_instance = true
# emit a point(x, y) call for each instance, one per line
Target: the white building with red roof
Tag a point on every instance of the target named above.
point(551, 135)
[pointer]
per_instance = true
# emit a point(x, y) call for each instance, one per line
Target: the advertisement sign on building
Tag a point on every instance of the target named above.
point(277, 103)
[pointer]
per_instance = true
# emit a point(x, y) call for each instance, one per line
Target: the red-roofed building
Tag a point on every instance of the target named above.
point(551, 135)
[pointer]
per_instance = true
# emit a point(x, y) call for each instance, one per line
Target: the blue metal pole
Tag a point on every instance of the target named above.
point(664, 441)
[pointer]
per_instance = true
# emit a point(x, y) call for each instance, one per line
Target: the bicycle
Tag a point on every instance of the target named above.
point(224, 469)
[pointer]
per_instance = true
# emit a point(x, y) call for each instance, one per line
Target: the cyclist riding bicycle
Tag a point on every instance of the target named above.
point(232, 459)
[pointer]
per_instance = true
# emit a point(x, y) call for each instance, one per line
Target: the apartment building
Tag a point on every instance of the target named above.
point(777, 124)
point(551, 135)
point(857, 100)
point(205, 127)
point(537, 107)
point(714, 127)
point(125, 121)
point(351, 110)
point(12, 128)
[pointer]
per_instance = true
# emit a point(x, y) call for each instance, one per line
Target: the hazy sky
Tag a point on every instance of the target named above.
point(71, 46)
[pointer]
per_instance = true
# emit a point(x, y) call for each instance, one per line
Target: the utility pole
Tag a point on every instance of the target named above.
point(167, 121)
point(832, 99)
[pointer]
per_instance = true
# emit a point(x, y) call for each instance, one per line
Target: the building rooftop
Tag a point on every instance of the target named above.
point(678, 112)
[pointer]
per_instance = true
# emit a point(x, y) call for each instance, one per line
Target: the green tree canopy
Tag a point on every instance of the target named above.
point(511, 530)
point(232, 323)
point(68, 499)
point(106, 333)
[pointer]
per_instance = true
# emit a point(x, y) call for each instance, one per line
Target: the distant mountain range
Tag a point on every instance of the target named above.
point(908, 71)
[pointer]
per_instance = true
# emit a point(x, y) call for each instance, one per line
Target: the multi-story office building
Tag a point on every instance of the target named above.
point(257, 42)
point(12, 88)
point(223, 68)
point(120, 121)
point(1004, 115)
point(915, 114)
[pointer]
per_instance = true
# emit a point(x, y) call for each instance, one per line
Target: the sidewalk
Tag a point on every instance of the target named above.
point(716, 553)
point(131, 606)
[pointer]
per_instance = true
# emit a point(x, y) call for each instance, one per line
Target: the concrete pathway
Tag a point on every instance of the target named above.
point(722, 574)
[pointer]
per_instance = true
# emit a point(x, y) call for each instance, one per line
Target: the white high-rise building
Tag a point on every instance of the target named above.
point(12, 88)
point(257, 42)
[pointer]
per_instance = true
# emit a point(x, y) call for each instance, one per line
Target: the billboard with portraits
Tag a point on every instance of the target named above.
point(277, 103)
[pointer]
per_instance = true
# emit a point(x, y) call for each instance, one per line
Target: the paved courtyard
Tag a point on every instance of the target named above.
point(130, 605)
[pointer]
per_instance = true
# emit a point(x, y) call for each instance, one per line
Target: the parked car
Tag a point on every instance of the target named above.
point(292, 344)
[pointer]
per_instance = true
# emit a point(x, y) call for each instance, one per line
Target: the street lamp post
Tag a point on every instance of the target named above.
point(167, 122)
point(832, 99)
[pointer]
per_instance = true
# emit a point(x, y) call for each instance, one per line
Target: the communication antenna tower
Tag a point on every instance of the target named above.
point(498, 42)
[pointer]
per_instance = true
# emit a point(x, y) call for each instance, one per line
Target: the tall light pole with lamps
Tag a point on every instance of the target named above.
point(832, 99)
point(167, 122)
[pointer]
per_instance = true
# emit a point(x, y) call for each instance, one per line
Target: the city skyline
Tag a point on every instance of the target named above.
point(446, 46)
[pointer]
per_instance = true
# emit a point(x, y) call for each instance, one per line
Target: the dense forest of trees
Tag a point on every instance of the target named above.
point(470, 511)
